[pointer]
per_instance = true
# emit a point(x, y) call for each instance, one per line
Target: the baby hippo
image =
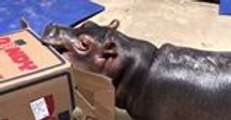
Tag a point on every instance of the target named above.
point(165, 83)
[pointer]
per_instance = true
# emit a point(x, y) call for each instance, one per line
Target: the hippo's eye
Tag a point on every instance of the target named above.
point(84, 43)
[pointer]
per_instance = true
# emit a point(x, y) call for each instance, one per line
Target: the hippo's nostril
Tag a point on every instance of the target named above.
point(109, 54)
point(52, 24)
point(53, 32)
point(50, 31)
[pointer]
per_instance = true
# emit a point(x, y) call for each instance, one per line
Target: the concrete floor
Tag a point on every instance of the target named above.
point(180, 22)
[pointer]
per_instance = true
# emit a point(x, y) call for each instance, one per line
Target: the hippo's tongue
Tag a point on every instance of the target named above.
point(108, 64)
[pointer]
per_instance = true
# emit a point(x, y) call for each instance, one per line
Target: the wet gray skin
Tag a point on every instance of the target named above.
point(58, 37)
point(151, 83)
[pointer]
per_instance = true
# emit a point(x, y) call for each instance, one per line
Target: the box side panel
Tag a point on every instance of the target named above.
point(56, 91)
point(95, 95)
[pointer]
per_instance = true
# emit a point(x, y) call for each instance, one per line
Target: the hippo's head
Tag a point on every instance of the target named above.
point(89, 46)
point(104, 50)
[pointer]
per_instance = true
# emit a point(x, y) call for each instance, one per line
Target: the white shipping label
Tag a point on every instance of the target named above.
point(39, 109)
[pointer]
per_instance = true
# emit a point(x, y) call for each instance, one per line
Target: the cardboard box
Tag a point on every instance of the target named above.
point(35, 82)
point(95, 96)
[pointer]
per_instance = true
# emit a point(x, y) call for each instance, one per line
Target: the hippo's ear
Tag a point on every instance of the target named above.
point(24, 23)
point(109, 49)
point(114, 24)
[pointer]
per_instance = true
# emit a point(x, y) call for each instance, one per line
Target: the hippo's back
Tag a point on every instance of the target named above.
point(203, 68)
point(186, 84)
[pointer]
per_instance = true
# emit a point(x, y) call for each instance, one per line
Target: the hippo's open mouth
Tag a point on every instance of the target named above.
point(110, 60)
point(110, 65)
point(107, 64)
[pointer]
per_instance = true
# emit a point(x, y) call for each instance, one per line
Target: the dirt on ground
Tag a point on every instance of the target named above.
point(180, 22)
